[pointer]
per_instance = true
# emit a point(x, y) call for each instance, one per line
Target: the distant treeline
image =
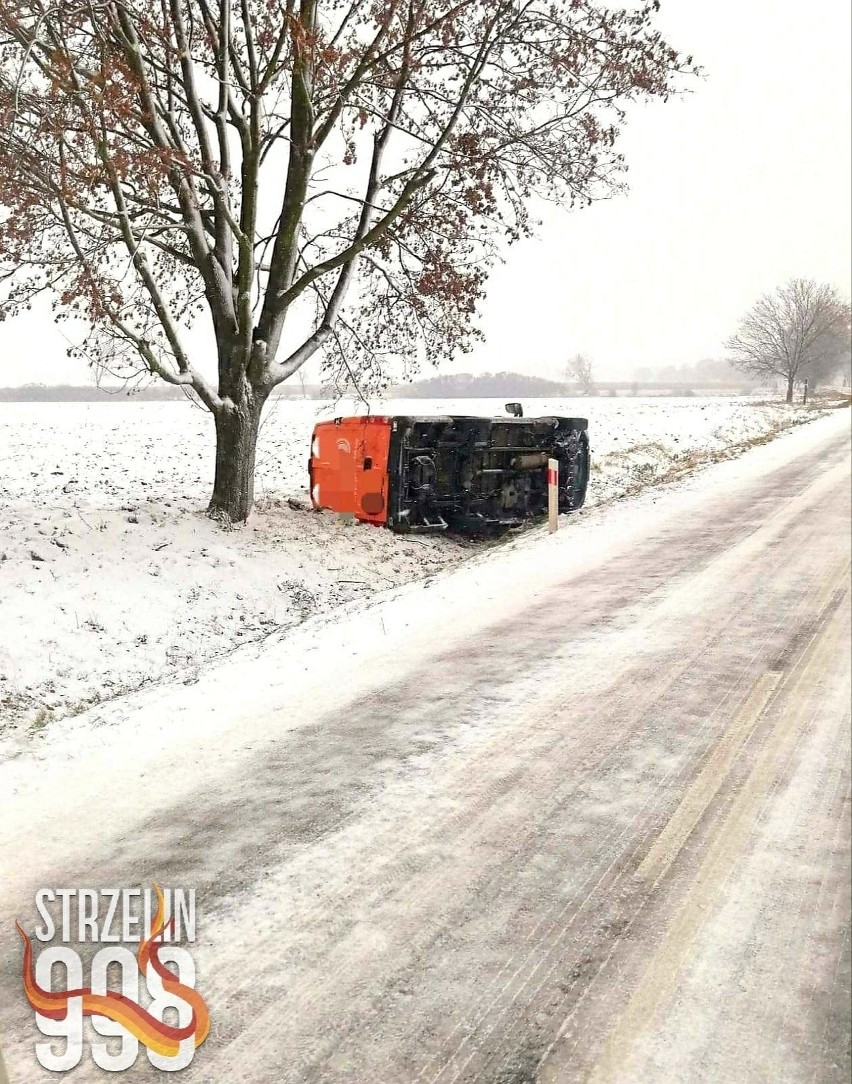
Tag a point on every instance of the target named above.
point(479, 386)
point(519, 385)
point(506, 385)
point(459, 386)
point(70, 393)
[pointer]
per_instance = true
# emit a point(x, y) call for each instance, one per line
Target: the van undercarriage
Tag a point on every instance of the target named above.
point(482, 475)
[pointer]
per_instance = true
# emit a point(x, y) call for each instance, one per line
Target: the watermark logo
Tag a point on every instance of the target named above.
point(170, 1019)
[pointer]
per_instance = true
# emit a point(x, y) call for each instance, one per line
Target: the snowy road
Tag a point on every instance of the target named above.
point(582, 814)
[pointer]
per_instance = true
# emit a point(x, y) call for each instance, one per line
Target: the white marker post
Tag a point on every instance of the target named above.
point(552, 494)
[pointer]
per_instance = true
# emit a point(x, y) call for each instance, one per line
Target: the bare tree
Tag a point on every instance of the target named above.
point(236, 161)
point(581, 373)
point(792, 333)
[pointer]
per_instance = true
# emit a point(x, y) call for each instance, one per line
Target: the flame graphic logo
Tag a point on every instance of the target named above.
point(158, 1036)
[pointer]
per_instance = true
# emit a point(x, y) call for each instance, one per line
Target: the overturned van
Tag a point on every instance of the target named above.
point(469, 474)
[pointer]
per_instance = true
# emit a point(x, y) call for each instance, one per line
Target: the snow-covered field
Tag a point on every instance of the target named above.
point(111, 576)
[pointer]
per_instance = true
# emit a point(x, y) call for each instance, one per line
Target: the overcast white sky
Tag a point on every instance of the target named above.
point(733, 189)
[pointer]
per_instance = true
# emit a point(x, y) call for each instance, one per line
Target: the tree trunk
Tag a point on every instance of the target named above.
point(789, 389)
point(237, 427)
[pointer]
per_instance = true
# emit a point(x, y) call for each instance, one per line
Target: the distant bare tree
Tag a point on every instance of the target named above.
point(580, 372)
point(793, 333)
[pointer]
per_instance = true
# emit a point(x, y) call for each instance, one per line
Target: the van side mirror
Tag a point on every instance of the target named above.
point(515, 409)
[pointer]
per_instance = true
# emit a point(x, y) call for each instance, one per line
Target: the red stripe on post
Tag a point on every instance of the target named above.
point(552, 494)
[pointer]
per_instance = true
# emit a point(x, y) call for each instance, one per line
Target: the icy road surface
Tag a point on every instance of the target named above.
point(578, 810)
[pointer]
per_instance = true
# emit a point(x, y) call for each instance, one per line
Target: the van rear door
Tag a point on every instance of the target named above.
point(348, 467)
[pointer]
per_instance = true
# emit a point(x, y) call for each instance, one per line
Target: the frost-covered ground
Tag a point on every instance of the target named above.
point(111, 576)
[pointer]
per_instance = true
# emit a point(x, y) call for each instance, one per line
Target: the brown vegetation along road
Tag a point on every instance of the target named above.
point(595, 827)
